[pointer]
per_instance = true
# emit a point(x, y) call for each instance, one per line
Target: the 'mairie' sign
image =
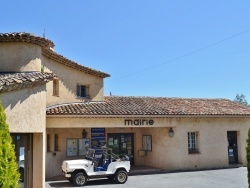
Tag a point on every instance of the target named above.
point(138, 122)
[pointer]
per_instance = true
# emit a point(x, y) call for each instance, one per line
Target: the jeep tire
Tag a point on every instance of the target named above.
point(80, 179)
point(121, 176)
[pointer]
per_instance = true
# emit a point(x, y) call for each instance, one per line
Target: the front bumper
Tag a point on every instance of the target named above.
point(67, 175)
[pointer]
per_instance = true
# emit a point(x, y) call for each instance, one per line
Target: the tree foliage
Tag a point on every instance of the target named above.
point(240, 98)
point(248, 157)
point(9, 175)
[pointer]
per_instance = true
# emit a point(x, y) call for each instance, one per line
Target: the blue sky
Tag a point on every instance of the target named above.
point(193, 49)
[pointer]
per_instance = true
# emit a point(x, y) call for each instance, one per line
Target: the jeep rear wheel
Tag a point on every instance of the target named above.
point(80, 179)
point(121, 176)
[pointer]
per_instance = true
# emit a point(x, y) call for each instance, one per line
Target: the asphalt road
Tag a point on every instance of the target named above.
point(223, 178)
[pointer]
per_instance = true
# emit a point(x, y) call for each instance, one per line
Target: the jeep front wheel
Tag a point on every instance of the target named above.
point(80, 179)
point(121, 176)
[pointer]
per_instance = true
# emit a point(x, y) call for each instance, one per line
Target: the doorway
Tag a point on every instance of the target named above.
point(232, 147)
point(23, 143)
point(122, 144)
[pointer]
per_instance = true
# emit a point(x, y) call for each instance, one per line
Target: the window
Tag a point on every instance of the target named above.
point(55, 87)
point(192, 142)
point(77, 147)
point(82, 91)
point(147, 142)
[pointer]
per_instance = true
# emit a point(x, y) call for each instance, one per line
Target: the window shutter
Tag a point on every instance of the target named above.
point(78, 90)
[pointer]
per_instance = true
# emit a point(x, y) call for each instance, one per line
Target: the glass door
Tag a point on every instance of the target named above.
point(232, 147)
point(122, 144)
point(22, 147)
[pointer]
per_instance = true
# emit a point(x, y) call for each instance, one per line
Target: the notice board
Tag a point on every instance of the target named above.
point(98, 138)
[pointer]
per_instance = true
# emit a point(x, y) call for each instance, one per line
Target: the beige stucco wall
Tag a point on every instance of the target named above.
point(39, 160)
point(105, 122)
point(25, 109)
point(167, 153)
point(20, 57)
point(172, 153)
point(68, 80)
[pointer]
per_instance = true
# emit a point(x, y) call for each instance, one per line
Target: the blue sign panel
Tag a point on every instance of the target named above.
point(98, 139)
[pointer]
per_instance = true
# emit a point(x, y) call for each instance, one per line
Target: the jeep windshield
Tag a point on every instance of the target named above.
point(96, 154)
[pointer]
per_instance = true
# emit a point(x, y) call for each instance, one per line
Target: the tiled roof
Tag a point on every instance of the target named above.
point(47, 51)
point(26, 37)
point(15, 81)
point(157, 106)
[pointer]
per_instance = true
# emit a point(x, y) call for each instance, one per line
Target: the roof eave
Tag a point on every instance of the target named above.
point(147, 116)
point(18, 86)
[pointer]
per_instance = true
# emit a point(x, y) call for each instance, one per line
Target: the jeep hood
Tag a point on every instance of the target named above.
point(77, 162)
point(71, 165)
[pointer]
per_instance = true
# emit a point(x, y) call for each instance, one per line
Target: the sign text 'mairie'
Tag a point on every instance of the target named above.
point(138, 122)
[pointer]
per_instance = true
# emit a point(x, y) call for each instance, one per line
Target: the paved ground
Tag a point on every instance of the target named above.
point(228, 178)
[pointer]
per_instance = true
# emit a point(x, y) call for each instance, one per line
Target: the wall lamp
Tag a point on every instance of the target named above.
point(84, 133)
point(171, 132)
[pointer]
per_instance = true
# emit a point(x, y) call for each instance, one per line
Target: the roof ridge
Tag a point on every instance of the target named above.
point(155, 97)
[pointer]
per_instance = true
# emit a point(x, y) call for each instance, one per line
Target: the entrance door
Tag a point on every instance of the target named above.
point(232, 147)
point(22, 144)
point(122, 144)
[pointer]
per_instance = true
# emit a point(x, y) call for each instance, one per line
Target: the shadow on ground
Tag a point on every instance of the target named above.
point(94, 182)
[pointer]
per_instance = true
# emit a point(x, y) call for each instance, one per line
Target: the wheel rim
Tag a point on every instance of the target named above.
point(121, 177)
point(80, 180)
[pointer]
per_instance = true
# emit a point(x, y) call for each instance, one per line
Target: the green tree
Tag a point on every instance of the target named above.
point(248, 157)
point(9, 175)
point(241, 99)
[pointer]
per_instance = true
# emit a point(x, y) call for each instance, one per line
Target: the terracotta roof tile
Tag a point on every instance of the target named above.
point(47, 51)
point(26, 37)
point(157, 106)
point(15, 81)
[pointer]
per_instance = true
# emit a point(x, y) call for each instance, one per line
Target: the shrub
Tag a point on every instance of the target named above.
point(248, 157)
point(9, 175)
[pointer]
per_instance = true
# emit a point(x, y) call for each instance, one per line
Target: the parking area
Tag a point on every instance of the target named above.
point(229, 178)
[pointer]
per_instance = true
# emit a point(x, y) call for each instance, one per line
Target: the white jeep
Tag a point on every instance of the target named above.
point(98, 163)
